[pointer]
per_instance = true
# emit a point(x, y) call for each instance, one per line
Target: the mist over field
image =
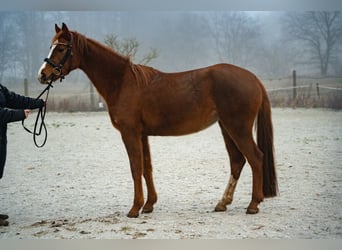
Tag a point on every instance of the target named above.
point(271, 44)
point(264, 42)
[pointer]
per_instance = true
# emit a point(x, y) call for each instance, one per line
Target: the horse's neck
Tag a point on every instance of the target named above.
point(103, 67)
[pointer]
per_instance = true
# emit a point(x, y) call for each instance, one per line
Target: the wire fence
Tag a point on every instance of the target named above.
point(305, 91)
point(291, 91)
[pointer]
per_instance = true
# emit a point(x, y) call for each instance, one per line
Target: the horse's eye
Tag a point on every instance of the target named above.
point(60, 49)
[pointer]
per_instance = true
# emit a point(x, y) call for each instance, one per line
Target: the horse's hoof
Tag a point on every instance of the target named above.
point(3, 216)
point(220, 207)
point(147, 210)
point(133, 214)
point(3, 223)
point(252, 210)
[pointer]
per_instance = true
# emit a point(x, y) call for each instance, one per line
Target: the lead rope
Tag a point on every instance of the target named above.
point(41, 114)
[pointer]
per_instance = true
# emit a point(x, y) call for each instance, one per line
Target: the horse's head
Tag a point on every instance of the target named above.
point(59, 61)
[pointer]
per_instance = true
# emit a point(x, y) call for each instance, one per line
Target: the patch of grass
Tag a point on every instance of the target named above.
point(126, 228)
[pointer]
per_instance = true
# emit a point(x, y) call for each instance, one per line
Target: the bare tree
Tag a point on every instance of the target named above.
point(188, 40)
point(274, 60)
point(32, 39)
point(7, 44)
point(29, 24)
point(235, 35)
point(320, 31)
point(129, 47)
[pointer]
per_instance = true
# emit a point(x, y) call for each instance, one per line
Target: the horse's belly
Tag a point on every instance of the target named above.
point(182, 123)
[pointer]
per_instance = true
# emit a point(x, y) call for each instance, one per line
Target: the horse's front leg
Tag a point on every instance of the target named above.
point(151, 192)
point(134, 148)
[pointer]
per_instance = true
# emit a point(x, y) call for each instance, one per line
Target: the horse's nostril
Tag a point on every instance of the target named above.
point(42, 77)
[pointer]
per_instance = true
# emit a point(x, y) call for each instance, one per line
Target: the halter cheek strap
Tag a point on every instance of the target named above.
point(57, 68)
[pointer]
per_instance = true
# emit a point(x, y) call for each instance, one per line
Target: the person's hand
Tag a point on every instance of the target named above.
point(27, 112)
point(44, 102)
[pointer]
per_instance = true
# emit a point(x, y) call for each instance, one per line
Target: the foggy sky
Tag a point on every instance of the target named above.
point(204, 5)
point(181, 38)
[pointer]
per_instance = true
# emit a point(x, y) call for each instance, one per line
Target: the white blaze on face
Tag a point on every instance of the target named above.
point(49, 55)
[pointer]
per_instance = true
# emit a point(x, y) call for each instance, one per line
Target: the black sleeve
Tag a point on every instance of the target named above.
point(15, 101)
point(9, 115)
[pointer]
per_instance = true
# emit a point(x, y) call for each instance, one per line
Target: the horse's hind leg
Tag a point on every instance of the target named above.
point(147, 173)
point(244, 141)
point(237, 161)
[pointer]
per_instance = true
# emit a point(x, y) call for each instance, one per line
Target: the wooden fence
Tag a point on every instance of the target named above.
point(292, 91)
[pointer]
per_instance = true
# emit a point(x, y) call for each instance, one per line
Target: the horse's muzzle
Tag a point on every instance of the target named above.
point(42, 77)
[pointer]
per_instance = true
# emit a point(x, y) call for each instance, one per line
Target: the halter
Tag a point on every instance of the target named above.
point(57, 71)
point(57, 68)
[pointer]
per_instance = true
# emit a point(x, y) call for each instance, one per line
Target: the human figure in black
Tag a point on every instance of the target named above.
point(13, 107)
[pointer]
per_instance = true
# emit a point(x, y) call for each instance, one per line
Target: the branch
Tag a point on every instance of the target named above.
point(149, 57)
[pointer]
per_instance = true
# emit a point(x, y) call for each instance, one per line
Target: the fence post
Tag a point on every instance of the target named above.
point(317, 89)
point(25, 87)
point(294, 93)
point(92, 99)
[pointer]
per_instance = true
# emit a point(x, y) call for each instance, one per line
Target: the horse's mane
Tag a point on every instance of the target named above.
point(143, 74)
point(82, 44)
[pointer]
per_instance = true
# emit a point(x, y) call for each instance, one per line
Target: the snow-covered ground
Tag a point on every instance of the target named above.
point(79, 185)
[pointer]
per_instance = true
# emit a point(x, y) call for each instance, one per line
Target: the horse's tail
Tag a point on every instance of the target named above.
point(265, 143)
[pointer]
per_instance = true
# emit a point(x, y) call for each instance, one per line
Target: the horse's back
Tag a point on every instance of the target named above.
point(234, 76)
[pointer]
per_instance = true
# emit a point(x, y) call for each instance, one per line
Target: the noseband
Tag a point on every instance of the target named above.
point(57, 68)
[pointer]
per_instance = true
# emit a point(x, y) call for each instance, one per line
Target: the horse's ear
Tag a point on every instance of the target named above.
point(65, 28)
point(58, 29)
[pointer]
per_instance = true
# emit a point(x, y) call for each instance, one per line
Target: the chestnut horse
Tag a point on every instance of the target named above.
point(143, 101)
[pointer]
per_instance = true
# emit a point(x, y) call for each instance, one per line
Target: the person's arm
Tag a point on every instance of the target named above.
point(9, 115)
point(15, 101)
